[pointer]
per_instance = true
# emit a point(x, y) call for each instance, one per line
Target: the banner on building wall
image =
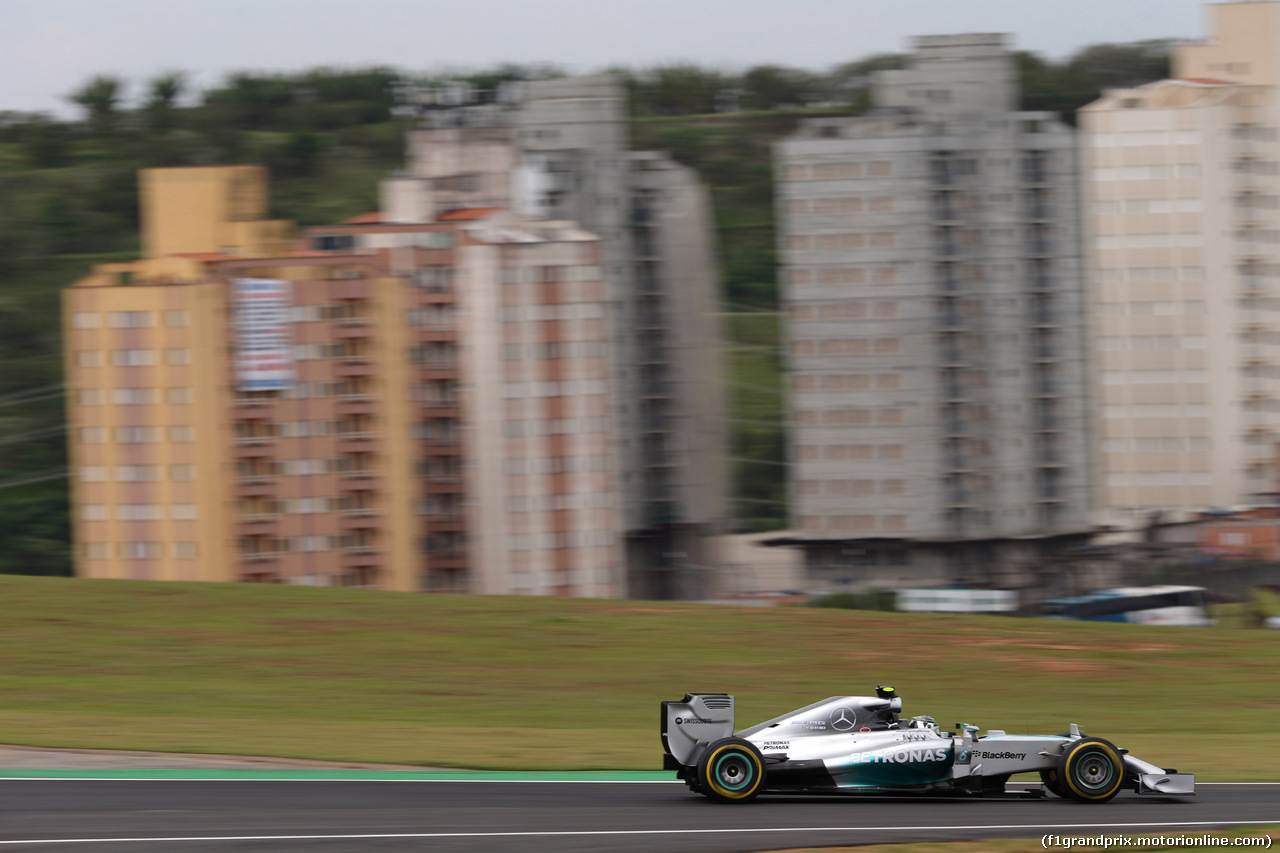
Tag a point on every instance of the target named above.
point(263, 339)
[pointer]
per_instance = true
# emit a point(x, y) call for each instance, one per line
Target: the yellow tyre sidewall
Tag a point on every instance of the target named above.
point(756, 765)
point(1067, 777)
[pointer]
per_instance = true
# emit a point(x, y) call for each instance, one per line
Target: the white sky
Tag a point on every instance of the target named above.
point(48, 48)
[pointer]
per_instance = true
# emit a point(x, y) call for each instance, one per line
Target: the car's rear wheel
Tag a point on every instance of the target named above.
point(1091, 770)
point(732, 771)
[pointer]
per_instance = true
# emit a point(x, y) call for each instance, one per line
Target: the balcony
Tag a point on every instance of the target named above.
point(354, 367)
point(1049, 457)
point(256, 487)
point(260, 449)
point(255, 409)
point(356, 442)
point(447, 408)
point(360, 519)
point(446, 561)
point(449, 523)
point(1047, 423)
point(438, 333)
point(351, 288)
point(443, 485)
point(655, 388)
point(438, 371)
point(352, 328)
point(359, 481)
point(359, 558)
point(266, 524)
point(353, 404)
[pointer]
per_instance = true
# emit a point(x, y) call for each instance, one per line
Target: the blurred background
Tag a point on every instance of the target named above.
point(947, 314)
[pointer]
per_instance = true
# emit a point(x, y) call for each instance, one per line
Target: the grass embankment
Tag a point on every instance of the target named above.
point(489, 682)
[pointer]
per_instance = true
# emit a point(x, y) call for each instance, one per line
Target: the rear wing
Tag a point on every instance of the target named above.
point(697, 718)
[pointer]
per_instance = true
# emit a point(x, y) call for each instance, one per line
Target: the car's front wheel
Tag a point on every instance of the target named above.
point(1091, 770)
point(732, 771)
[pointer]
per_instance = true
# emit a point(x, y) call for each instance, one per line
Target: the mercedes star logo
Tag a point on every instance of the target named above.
point(843, 719)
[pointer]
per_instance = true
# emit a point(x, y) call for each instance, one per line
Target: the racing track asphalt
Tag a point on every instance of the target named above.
point(288, 816)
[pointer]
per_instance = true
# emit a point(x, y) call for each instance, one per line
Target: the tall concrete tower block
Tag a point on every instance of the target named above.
point(558, 150)
point(939, 426)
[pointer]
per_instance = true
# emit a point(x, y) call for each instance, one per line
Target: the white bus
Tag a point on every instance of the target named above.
point(1142, 605)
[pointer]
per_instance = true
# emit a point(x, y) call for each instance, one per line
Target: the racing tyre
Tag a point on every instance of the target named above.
point(732, 771)
point(1091, 770)
point(1051, 782)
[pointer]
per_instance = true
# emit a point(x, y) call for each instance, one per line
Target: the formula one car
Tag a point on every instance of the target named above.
point(858, 744)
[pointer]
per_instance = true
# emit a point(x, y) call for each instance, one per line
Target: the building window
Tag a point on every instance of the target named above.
point(184, 550)
point(177, 318)
point(139, 512)
point(134, 396)
point(137, 473)
point(182, 473)
point(177, 356)
point(97, 550)
point(141, 551)
point(182, 433)
point(93, 435)
point(180, 395)
point(133, 357)
point(137, 435)
point(84, 320)
point(130, 319)
point(93, 474)
point(88, 358)
point(93, 512)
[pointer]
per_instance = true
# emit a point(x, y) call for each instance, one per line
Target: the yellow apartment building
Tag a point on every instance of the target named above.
point(407, 406)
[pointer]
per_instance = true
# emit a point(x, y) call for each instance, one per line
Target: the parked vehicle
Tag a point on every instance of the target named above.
point(1145, 605)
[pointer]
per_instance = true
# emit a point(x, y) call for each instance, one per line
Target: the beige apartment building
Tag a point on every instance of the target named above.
point(1181, 184)
point(408, 406)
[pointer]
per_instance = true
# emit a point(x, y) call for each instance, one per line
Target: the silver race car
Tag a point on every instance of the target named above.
point(859, 744)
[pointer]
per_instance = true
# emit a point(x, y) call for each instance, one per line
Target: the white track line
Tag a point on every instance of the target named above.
point(446, 781)
point(635, 832)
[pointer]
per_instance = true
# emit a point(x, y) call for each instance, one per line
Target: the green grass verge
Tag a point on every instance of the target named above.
point(516, 683)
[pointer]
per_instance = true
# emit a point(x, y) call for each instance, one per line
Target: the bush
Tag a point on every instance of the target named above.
point(875, 599)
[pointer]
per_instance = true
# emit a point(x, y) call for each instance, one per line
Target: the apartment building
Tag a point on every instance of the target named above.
point(407, 406)
point(936, 327)
point(1182, 189)
point(558, 149)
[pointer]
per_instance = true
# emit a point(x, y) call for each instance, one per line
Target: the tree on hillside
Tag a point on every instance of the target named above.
point(677, 90)
point(771, 87)
point(100, 99)
point(1122, 66)
point(162, 100)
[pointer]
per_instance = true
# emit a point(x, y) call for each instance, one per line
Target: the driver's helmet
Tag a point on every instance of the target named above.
point(885, 717)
